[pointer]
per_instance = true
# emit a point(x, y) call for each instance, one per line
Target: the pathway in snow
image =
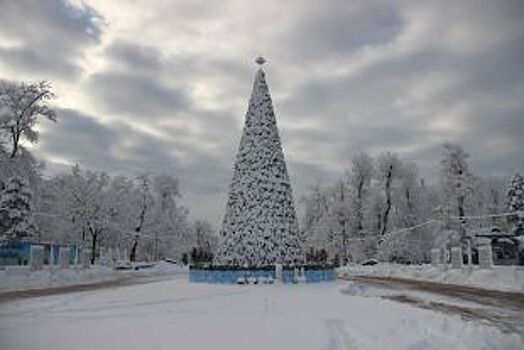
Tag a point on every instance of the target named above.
point(502, 309)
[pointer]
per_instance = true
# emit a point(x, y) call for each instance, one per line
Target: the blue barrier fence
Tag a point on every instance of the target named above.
point(313, 276)
point(19, 253)
point(227, 276)
point(15, 253)
point(288, 276)
point(232, 276)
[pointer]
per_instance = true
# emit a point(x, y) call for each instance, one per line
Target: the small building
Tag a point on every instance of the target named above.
point(507, 248)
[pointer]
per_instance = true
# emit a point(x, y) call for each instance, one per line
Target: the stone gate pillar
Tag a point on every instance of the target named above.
point(37, 257)
point(456, 257)
point(485, 257)
point(63, 257)
point(435, 257)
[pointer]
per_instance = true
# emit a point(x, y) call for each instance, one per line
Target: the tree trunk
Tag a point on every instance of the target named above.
point(360, 187)
point(93, 247)
point(468, 251)
point(138, 228)
point(155, 247)
point(344, 242)
point(387, 190)
point(460, 201)
point(16, 139)
point(462, 221)
point(132, 255)
point(411, 209)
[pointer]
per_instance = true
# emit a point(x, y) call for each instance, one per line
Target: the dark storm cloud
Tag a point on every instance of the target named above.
point(133, 56)
point(79, 138)
point(138, 95)
point(118, 149)
point(495, 144)
point(342, 28)
point(111, 147)
point(35, 62)
point(129, 57)
point(49, 35)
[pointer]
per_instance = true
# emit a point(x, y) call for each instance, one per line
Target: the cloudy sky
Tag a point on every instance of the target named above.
point(163, 86)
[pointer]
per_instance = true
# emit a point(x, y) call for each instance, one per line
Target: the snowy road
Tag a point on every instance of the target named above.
point(175, 314)
point(74, 288)
point(504, 310)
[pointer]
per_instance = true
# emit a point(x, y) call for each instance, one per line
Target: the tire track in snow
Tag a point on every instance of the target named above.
point(339, 339)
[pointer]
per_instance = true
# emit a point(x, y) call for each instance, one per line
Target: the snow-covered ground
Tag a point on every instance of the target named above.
point(22, 278)
point(175, 314)
point(507, 278)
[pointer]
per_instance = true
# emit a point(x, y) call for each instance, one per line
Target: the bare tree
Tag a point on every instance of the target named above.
point(87, 209)
point(361, 175)
point(166, 214)
point(144, 205)
point(408, 192)
point(457, 183)
point(315, 222)
point(388, 169)
point(21, 105)
point(341, 214)
point(457, 179)
point(316, 206)
point(205, 237)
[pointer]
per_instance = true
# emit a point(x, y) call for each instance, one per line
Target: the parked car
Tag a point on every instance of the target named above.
point(370, 262)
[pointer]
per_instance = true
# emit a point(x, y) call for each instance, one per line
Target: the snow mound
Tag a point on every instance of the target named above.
point(22, 278)
point(505, 278)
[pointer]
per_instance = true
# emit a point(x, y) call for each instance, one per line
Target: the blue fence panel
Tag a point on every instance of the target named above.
point(55, 250)
point(72, 254)
point(15, 253)
point(47, 253)
point(310, 276)
point(231, 276)
point(287, 276)
point(313, 276)
point(19, 253)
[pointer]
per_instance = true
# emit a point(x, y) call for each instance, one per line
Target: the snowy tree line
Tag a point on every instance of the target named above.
point(142, 217)
point(363, 214)
point(118, 217)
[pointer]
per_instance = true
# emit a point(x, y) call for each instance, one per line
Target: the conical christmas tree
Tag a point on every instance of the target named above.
point(260, 225)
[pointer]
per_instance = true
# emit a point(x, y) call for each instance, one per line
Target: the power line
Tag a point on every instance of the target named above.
point(474, 217)
point(486, 216)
